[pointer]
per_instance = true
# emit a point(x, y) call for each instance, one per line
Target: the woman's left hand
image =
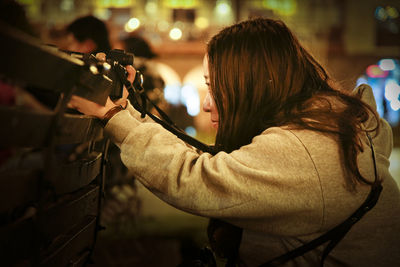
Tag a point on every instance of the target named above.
point(88, 107)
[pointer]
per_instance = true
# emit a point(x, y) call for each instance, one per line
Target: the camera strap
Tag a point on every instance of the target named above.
point(136, 89)
point(335, 235)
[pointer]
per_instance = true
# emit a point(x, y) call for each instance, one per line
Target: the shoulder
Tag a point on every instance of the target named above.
point(289, 150)
point(276, 140)
point(294, 138)
point(304, 151)
point(366, 94)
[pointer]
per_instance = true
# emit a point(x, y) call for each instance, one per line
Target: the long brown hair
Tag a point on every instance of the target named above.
point(260, 77)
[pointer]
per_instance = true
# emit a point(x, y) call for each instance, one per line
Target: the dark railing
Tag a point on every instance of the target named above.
point(51, 183)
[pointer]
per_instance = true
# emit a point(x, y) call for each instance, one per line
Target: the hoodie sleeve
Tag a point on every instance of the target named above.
point(261, 180)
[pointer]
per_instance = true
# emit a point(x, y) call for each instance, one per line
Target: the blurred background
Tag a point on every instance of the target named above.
point(357, 41)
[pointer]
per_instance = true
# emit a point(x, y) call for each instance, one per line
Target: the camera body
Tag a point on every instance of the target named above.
point(113, 68)
point(118, 59)
point(120, 56)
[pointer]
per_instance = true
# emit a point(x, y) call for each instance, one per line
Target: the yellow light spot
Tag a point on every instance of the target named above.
point(201, 22)
point(392, 12)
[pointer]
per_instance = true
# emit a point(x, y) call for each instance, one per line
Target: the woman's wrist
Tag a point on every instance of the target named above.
point(110, 113)
point(109, 105)
point(121, 102)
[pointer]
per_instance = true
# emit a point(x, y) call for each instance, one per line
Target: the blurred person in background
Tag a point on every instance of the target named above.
point(87, 34)
point(292, 155)
point(13, 14)
point(153, 83)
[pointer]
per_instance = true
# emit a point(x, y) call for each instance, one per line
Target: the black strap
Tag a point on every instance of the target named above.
point(136, 89)
point(336, 234)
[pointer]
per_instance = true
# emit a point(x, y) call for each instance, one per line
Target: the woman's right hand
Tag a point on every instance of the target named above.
point(131, 77)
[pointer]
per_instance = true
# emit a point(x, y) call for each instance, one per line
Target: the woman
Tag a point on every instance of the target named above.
point(293, 157)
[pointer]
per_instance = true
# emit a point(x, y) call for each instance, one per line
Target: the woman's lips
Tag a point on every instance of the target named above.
point(214, 124)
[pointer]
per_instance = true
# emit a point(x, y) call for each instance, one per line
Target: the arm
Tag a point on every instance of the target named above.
point(252, 182)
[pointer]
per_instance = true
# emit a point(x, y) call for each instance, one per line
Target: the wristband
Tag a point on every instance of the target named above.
point(110, 113)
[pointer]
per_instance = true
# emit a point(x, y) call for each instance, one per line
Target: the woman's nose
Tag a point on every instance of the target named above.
point(206, 103)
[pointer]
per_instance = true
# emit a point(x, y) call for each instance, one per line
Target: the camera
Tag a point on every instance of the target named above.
point(118, 59)
point(113, 68)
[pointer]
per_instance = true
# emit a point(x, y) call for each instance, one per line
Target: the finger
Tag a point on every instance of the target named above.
point(125, 93)
point(122, 101)
point(131, 73)
point(101, 56)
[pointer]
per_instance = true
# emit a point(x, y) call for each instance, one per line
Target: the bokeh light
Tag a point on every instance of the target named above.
point(380, 13)
point(392, 94)
point(175, 34)
point(223, 8)
point(384, 78)
point(392, 12)
point(375, 71)
point(281, 7)
point(387, 64)
point(190, 130)
point(163, 26)
point(132, 24)
point(151, 8)
point(384, 13)
point(190, 98)
point(201, 22)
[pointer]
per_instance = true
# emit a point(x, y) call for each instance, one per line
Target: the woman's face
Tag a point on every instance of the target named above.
point(209, 104)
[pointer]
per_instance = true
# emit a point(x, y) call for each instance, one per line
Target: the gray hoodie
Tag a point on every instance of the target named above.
point(284, 189)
